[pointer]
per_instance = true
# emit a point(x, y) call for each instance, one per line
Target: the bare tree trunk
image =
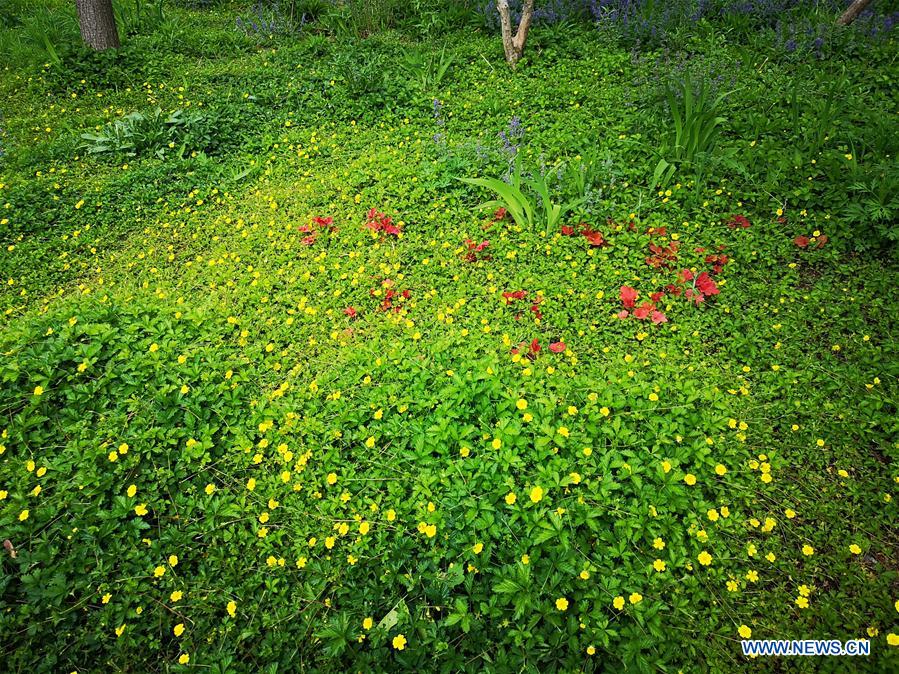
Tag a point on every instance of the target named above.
point(97, 22)
point(852, 12)
point(513, 45)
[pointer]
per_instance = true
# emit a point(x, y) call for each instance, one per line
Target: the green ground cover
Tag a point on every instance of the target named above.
point(279, 395)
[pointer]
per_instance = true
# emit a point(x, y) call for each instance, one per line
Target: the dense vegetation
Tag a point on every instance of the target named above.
point(279, 394)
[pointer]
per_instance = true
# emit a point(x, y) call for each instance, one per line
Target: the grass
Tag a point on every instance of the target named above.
point(237, 437)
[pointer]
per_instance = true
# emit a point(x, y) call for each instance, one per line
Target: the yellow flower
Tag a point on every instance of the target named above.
point(618, 603)
point(332, 478)
point(666, 466)
point(399, 642)
point(364, 527)
point(367, 623)
point(658, 544)
point(159, 571)
point(113, 456)
point(184, 659)
point(536, 494)
point(659, 565)
point(893, 639)
point(720, 469)
point(179, 629)
point(176, 595)
point(704, 558)
point(510, 498)
point(140, 509)
point(745, 632)
point(808, 550)
point(690, 479)
point(173, 560)
point(38, 390)
point(562, 604)
point(563, 431)
point(522, 404)
point(154, 347)
point(106, 598)
point(210, 489)
point(119, 630)
point(231, 608)
point(23, 515)
point(391, 515)
point(604, 411)
point(497, 443)
point(132, 490)
point(855, 549)
point(802, 602)
point(477, 548)
point(635, 598)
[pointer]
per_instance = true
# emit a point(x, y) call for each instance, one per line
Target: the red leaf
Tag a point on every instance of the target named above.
point(594, 238)
point(706, 285)
point(628, 296)
point(659, 317)
point(623, 313)
point(801, 241)
point(517, 295)
point(535, 346)
point(738, 221)
point(822, 240)
point(350, 311)
point(567, 230)
point(557, 347)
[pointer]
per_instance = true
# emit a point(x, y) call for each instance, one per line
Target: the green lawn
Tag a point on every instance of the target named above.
point(240, 437)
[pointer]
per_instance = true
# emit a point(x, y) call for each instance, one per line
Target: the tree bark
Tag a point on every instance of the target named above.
point(513, 45)
point(97, 22)
point(852, 12)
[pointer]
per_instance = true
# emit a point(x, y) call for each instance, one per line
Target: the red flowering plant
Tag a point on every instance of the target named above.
point(510, 297)
point(474, 250)
point(647, 309)
point(698, 288)
point(532, 351)
point(816, 241)
point(663, 257)
point(594, 237)
point(313, 229)
point(738, 222)
point(380, 223)
point(393, 297)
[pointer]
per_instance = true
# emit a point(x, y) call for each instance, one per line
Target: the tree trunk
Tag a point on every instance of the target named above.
point(97, 22)
point(513, 45)
point(852, 12)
